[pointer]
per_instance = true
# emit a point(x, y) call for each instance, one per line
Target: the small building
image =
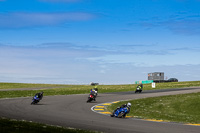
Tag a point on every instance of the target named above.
point(92, 83)
point(156, 76)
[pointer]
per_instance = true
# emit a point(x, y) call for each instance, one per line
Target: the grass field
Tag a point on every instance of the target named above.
point(182, 108)
point(13, 126)
point(81, 89)
point(29, 86)
point(179, 108)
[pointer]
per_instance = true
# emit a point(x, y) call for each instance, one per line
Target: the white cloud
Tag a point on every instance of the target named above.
point(30, 65)
point(24, 19)
point(178, 23)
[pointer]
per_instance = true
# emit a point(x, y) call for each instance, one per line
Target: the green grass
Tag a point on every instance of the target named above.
point(179, 108)
point(63, 90)
point(173, 85)
point(182, 108)
point(13, 126)
point(30, 86)
point(81, 89)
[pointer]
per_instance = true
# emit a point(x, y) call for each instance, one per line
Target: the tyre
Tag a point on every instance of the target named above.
point(89, 100)
point(124, 116)
point(120, 114)
point(112, 115)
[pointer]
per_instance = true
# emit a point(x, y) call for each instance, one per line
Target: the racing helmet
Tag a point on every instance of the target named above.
point(128, 104)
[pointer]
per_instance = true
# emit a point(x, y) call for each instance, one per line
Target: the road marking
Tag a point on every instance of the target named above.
point(98, 109)
point(107, 104)
point(154, 120)
point(105, 112)
point(99, 106)
point(116, 102)
point(193, 124)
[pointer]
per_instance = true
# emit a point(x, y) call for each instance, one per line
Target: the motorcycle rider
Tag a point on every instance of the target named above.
point(39, 95)
point(128, 105)
point(140, 86)
point(95, 88)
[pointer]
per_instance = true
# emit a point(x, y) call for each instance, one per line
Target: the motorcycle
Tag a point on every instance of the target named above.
point(90, 98)
point(35, 100)
point(138, 90)
point(120, 112)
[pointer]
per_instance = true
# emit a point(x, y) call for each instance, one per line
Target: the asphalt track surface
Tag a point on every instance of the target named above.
point(73, 111)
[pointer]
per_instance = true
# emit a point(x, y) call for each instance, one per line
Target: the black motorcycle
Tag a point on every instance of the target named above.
point(138, 90)
point(90, 98)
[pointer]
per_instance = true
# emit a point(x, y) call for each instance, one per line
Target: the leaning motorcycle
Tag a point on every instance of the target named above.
point(90, 98)
point(138, 90)
point(35, 100)
point(120, 112)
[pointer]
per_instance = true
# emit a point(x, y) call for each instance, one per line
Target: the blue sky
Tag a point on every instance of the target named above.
point(105, 41)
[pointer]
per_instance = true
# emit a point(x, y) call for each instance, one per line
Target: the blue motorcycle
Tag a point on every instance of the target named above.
point(120, 112)
point(37, 98)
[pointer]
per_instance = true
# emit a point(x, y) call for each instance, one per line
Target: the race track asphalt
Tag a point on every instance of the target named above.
point(73, 111)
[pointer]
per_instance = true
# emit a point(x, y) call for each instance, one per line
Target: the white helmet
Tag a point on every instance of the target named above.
point(128, 104)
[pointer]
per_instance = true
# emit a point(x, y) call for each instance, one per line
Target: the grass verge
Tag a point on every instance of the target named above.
point(82, 89)
point(30, 86)
point(13, 126)
point(183, 108)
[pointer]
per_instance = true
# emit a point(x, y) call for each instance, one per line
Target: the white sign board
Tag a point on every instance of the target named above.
point(153, 85)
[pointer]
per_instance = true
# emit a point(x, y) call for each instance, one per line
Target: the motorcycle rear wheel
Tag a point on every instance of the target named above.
point(121, 115)
point(89, 100)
